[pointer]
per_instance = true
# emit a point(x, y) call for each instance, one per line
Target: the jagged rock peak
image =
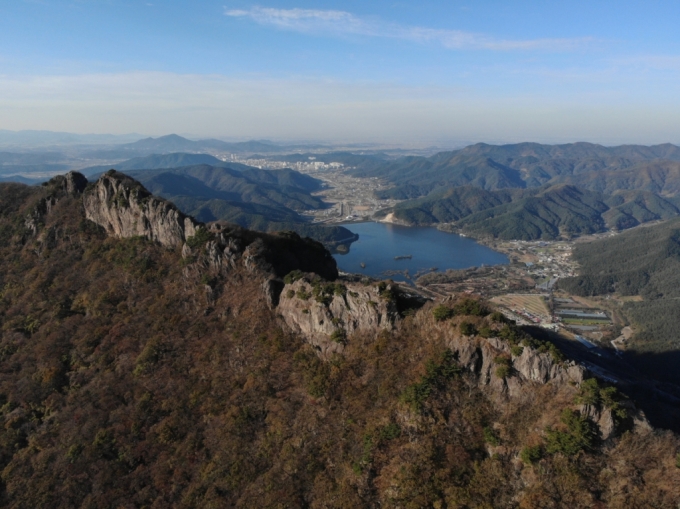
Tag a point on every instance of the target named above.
point(72, 183)
point(124, 208)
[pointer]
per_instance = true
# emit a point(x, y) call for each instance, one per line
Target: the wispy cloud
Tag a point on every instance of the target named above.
point(331, 22)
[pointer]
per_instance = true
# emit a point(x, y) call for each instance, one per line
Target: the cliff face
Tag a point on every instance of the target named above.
point(327, 315)
point(124, 208)
point(321, 312)
point(479, 355)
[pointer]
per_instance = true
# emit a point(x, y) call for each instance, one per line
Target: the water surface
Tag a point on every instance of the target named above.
point(379, 243)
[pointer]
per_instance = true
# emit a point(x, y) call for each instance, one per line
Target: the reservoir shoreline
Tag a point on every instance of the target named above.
point(381, 248)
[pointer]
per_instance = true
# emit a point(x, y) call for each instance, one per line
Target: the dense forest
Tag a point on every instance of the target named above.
point(134, 376)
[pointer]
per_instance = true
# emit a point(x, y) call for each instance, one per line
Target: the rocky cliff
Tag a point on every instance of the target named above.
point(71, 184)
point(124, 208)
point(327, 314)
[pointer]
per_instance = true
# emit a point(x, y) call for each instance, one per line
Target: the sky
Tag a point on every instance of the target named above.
point(410, 73)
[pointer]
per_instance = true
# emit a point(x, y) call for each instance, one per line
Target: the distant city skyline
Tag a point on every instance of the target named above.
point(409, 73)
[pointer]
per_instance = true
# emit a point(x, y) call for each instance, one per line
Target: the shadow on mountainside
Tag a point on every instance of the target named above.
point(650, 380)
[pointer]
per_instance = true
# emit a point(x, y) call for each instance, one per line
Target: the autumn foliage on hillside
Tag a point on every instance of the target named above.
point(128, 382)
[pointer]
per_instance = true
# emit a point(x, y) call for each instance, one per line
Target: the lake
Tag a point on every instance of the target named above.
point(379, 243)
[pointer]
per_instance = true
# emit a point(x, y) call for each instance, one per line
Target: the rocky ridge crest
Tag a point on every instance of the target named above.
point(124, 208)
point(325, 314)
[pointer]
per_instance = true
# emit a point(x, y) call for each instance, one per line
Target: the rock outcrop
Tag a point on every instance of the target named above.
point(124, 208)
point(479, 355)
point(603, 417)
point(71, 184)
point(326, 314)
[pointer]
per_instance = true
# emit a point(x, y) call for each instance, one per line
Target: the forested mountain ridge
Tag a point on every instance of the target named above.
point(286, 188)
point(175, 143)
point(264, 200)
point(528, 214)
point(136, 373)
point(492, 167)
point(644, 262)
point(159, 161)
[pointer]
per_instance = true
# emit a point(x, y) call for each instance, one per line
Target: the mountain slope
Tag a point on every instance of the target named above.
point(159, 161)
point(528, 214)
point(264, 187)
point(660, 177)
point(135, 375)
point(557, 211)
point(645, 262)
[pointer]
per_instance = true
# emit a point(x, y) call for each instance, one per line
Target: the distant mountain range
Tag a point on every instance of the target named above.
point(207, 187)
point(530, 191)
point(175, 143)
point(156, 161)
point(523, 191)
point(524, 165)
point(109, 146)
point(540, 213)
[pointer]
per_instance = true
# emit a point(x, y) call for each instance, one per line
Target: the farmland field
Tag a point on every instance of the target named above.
point(534, 304)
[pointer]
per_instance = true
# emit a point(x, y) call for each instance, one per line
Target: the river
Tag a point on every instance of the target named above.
point(380, 243)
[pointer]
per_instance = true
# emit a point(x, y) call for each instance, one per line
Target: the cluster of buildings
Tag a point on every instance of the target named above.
point(547, 262)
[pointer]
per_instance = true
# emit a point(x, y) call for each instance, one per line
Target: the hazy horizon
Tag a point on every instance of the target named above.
point(435, 73)
point(120, 138)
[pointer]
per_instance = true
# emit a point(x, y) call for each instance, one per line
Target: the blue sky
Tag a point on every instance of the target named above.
point(412, 73)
